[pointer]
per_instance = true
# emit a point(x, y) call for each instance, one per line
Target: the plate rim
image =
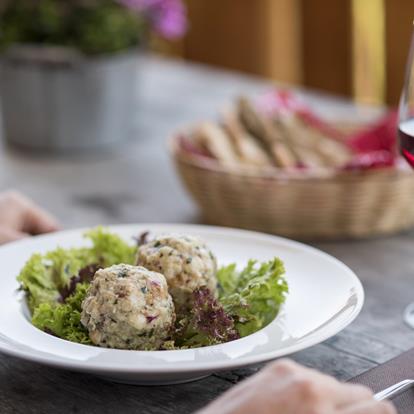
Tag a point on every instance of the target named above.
point(197, 366)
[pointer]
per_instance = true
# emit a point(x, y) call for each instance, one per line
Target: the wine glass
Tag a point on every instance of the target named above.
point(406, 134)
point(406, 111)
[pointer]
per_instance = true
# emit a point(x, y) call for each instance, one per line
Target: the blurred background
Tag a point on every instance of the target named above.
point(92, 80)
point(354, 48)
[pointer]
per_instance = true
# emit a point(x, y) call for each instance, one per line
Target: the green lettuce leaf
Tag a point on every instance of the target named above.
point(108, 248)
point(44, 276)
point(63, 320)
point(253, 296)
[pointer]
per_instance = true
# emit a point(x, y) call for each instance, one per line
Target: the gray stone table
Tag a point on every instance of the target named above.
point(137, 183)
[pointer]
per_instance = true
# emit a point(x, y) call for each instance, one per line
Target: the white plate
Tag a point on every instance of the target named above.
point(325, 296)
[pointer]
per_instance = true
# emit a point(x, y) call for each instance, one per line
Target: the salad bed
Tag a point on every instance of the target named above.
point(57, 282)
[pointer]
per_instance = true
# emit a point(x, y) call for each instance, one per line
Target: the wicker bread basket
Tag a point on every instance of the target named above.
point(321, 205)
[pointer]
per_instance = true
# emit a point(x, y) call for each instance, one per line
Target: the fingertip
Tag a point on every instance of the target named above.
point(52, 226)
point(39, 221)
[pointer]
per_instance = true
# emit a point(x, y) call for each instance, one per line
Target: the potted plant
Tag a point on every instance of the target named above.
point(69, 68)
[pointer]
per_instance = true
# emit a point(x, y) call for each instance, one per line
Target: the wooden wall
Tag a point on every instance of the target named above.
point(260, 36)
point(326, 45)
point(339, 46)
point(399, 24)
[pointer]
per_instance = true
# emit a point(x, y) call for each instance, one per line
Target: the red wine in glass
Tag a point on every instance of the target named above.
point(406, 133)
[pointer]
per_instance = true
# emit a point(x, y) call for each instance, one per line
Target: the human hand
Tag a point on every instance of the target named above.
point(21, 217)
point(285, 387)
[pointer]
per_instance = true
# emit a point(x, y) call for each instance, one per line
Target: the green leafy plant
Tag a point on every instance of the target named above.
point(91, 26)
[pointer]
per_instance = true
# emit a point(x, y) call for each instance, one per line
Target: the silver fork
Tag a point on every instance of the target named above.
point(394, 390)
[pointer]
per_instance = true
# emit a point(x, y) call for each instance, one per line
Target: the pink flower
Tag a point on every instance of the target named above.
point(168, 17)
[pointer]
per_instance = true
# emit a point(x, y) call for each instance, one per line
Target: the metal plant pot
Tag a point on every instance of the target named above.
point(55, 99)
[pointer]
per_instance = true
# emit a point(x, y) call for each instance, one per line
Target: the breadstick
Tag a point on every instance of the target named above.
point(310, 143)
point(263, 130)
point(246, 147)
point(215, 140)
